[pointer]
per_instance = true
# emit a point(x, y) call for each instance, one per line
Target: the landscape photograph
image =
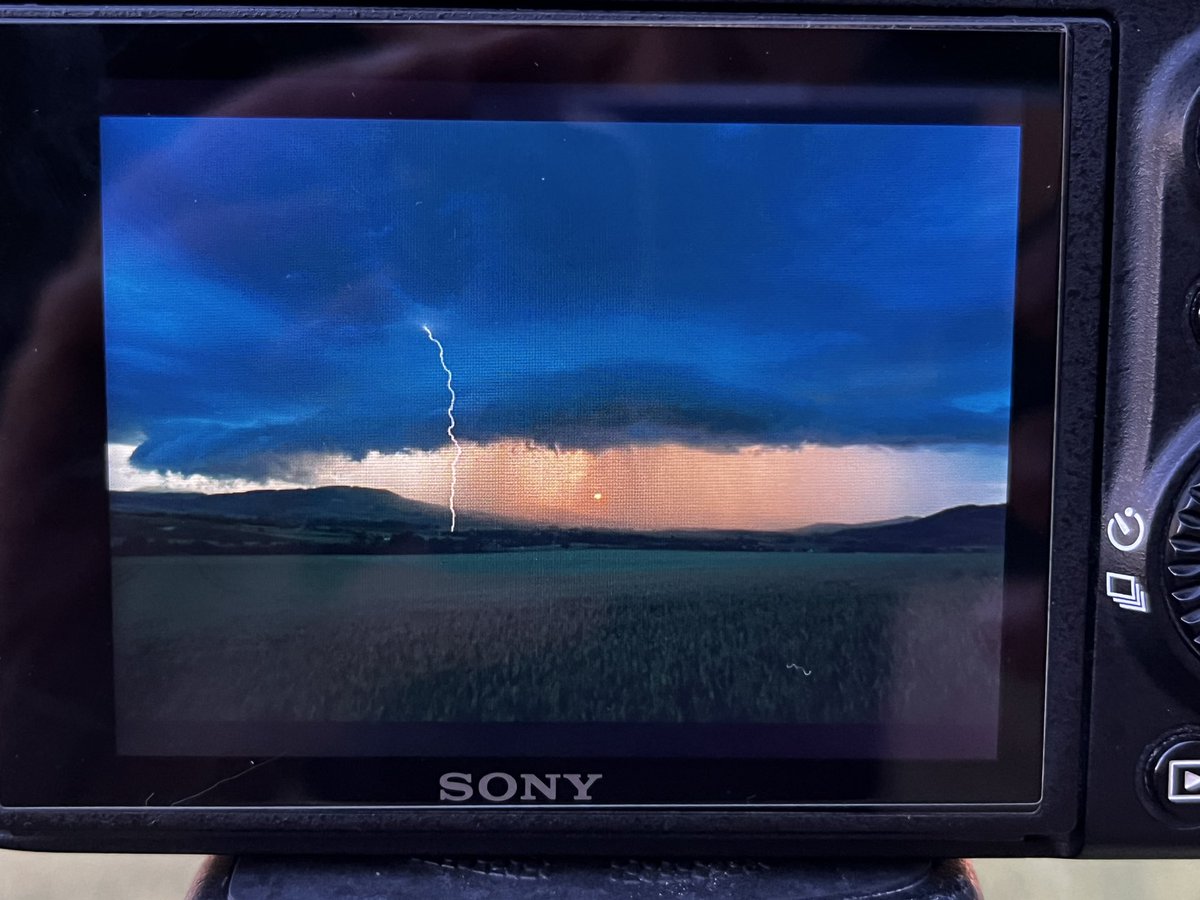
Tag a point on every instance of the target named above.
point(524, 422)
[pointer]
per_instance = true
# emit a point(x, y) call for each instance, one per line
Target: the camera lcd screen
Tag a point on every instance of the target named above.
point(676, 400)
point(536, 422)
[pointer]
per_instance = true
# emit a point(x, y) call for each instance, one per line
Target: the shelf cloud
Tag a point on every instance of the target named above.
point(596, 287)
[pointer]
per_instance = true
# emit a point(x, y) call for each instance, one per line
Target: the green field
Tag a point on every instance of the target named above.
point(559, 635)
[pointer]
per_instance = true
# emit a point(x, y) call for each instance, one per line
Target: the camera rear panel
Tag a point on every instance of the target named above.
point(84, 766)
point(1142, 782)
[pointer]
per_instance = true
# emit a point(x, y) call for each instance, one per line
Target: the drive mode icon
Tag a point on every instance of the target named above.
point(1126, 591)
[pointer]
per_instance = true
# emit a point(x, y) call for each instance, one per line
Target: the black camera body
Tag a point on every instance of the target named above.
point(203, 208)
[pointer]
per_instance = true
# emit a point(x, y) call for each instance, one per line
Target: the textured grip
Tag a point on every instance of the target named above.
point(309, 878)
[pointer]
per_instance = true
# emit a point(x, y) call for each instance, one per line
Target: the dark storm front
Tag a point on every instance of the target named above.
point(628, 423)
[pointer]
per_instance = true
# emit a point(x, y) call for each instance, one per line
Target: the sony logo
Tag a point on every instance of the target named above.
point(497, 787)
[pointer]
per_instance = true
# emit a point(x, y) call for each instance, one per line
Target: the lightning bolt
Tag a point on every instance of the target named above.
point(450, 427)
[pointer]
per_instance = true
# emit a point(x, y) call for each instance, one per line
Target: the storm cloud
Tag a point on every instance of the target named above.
point(594, 285)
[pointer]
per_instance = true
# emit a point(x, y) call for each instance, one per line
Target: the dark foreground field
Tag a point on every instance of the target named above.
point(566, 635)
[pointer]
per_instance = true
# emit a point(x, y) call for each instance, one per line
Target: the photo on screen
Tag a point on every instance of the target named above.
point(550, 422)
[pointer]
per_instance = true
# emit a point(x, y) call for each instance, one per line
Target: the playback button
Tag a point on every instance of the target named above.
point(1183, 781)
point(1173, 779)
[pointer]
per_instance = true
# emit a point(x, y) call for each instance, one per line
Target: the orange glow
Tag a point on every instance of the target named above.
point(651, 488)
point(757, 488)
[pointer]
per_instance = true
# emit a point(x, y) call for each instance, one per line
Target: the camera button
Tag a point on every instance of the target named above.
point(1173, 777)
point(1183, 781)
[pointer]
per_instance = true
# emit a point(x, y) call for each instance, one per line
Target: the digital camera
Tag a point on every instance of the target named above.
point(656, 431)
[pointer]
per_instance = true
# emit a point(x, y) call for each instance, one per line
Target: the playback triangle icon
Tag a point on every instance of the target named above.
point(1183, 777)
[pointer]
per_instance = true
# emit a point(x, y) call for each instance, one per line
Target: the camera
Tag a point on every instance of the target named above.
point(481, 431)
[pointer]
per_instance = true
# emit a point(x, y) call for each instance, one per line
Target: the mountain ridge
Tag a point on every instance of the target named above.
point(325, 518)
point(338, 503)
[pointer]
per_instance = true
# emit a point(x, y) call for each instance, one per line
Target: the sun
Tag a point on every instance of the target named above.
point(597, 496)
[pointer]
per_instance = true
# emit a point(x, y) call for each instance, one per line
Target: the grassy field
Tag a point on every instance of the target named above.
point(560, 635)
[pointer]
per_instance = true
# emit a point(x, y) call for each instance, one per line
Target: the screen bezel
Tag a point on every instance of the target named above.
point(58, 711)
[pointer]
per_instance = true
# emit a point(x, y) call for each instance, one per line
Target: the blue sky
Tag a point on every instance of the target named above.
point(595, 285)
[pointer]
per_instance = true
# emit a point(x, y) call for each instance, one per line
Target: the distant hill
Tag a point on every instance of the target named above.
point(297, 506)
point(957, 528)
point(368, 520)
point(829, 527)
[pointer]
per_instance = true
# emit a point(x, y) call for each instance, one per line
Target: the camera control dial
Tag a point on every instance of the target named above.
point(1183, 563)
